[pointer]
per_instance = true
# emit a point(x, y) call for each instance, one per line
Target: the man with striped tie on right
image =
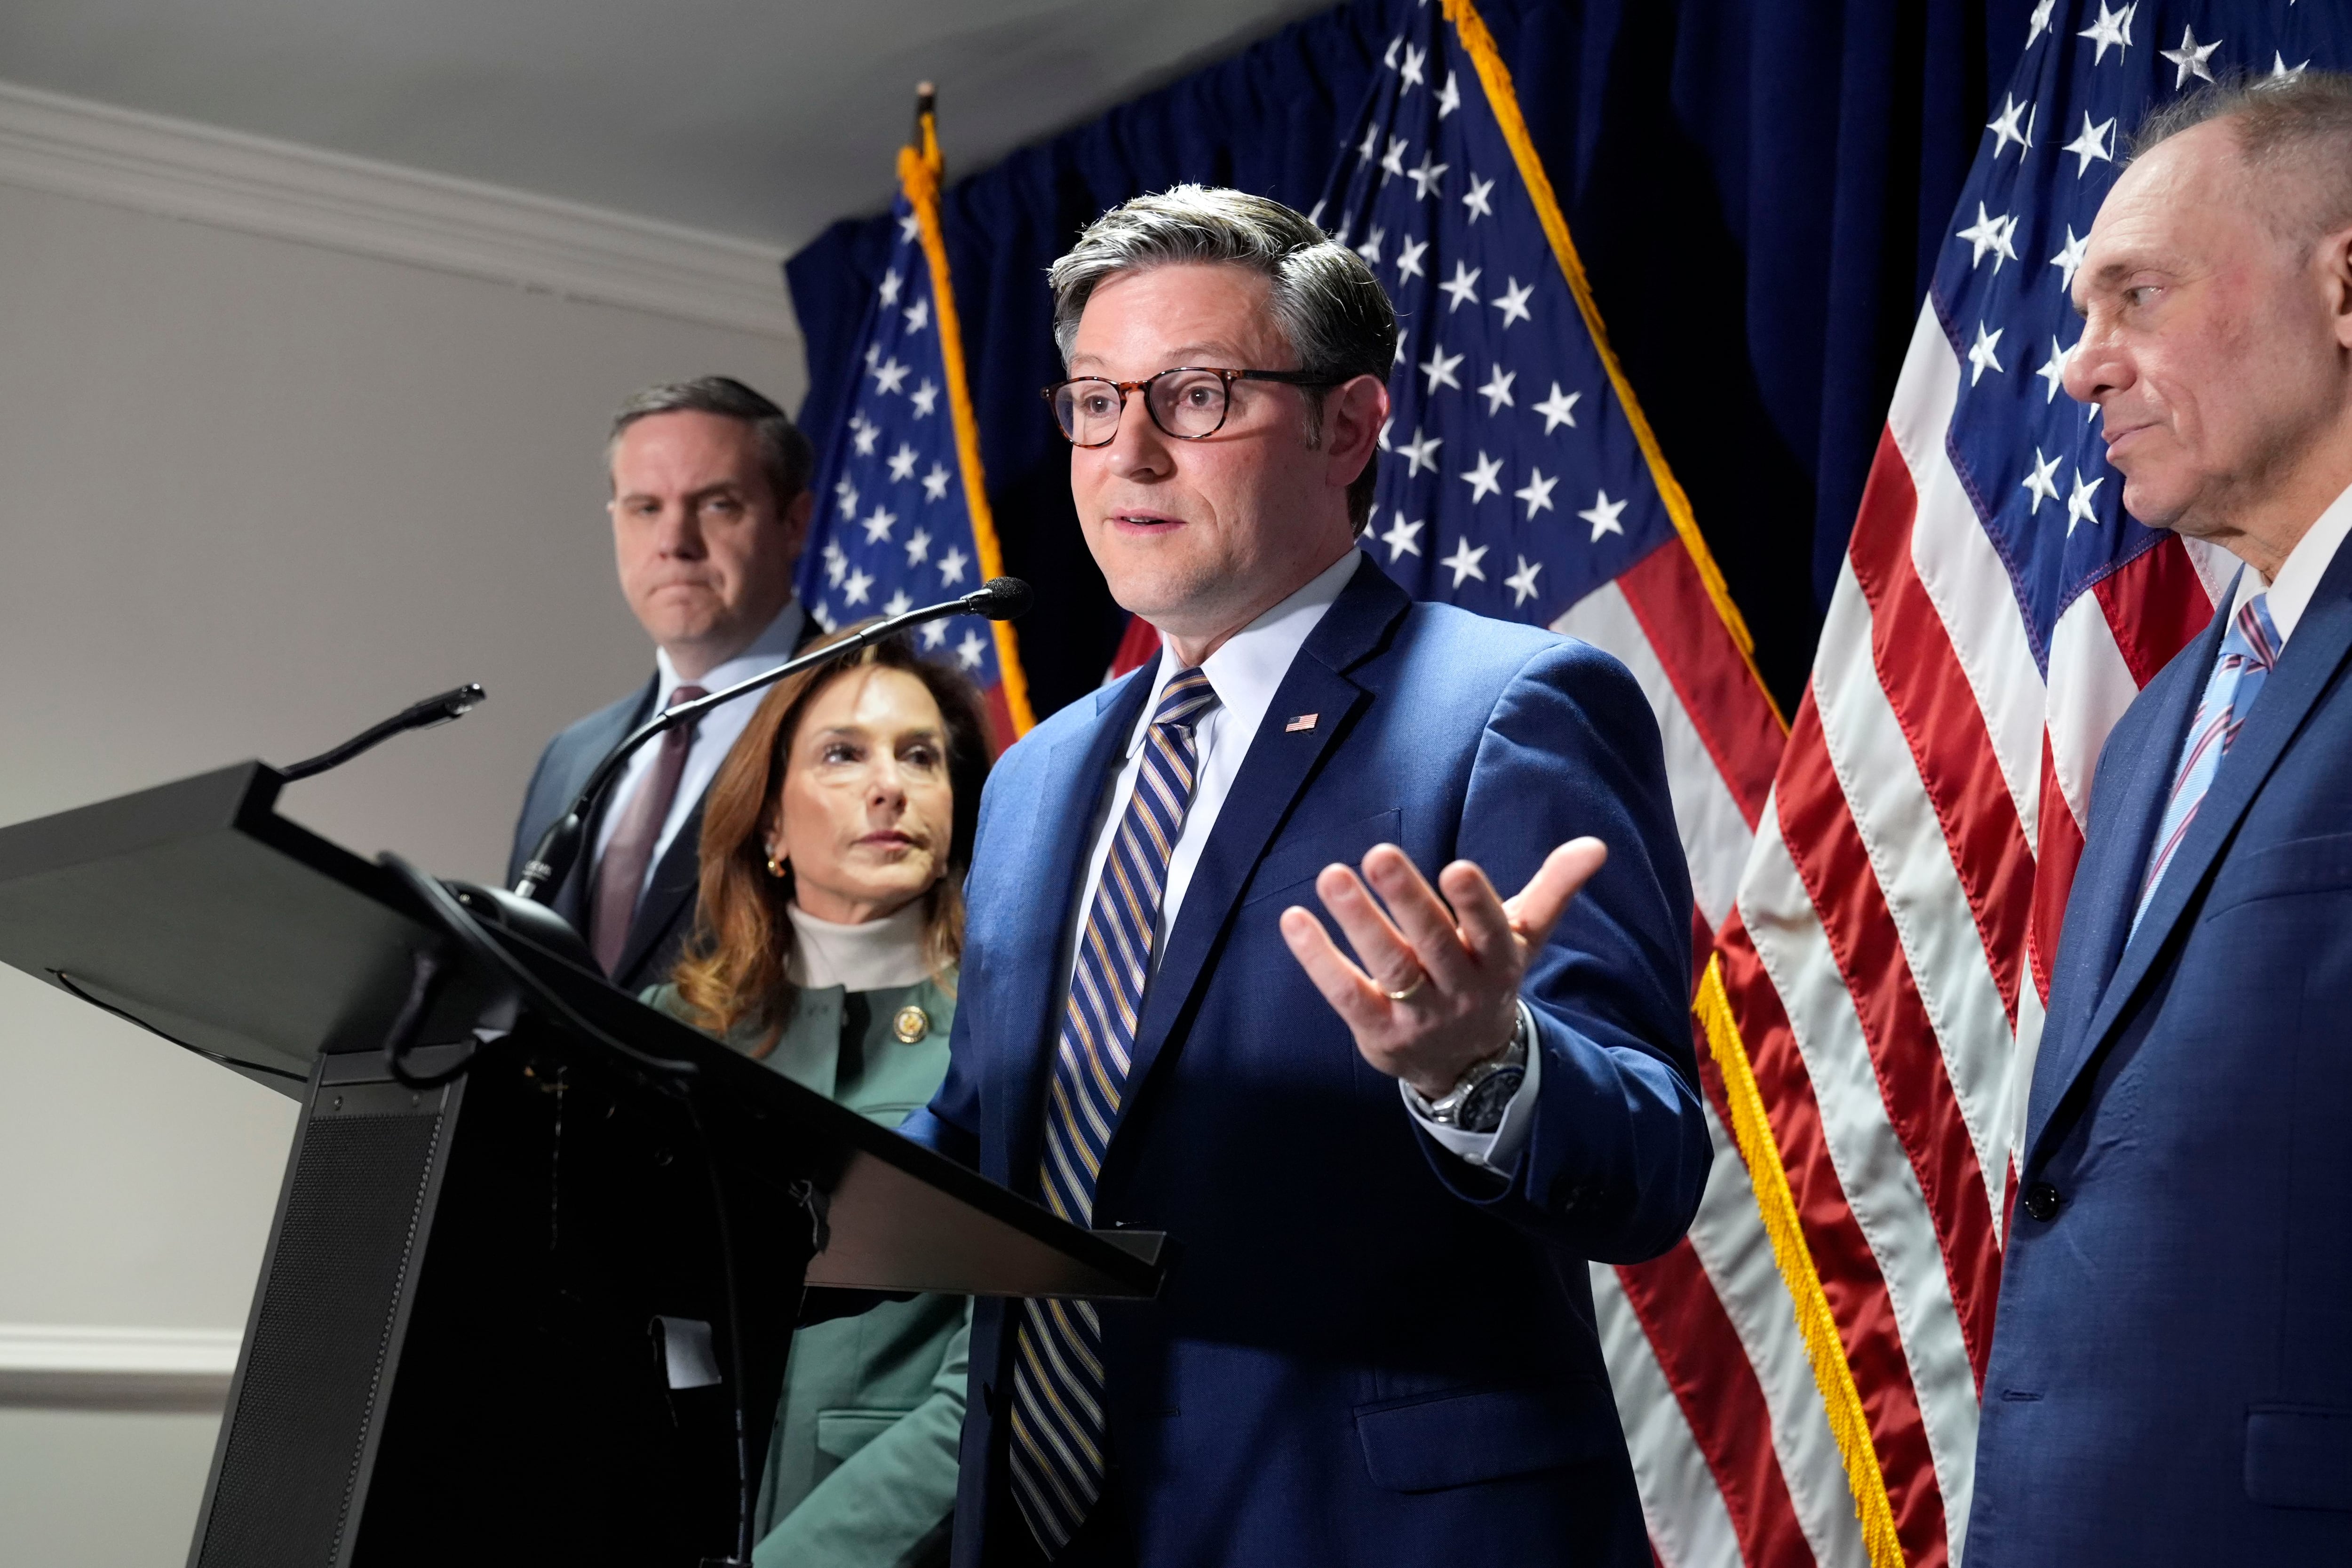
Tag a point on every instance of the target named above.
point(2171, 1378)
point(1384, 1173)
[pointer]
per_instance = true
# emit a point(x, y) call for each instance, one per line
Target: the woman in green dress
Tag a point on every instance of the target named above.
point(833, 846)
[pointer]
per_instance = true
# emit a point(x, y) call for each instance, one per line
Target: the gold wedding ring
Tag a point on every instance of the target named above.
point(1418, 980)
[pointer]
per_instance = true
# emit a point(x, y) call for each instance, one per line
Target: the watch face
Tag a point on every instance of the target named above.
point(1482, 1109)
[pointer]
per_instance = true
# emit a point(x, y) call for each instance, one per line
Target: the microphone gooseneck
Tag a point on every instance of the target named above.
point(998, 599)
point(441, 708)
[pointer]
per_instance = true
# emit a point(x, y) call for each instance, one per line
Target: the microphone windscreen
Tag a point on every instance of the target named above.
point(1003, 598)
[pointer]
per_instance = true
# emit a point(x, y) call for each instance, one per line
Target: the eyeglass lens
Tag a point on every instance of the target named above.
point(1186, 403)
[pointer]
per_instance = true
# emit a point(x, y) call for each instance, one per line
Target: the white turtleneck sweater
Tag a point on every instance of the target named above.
point(867, 957)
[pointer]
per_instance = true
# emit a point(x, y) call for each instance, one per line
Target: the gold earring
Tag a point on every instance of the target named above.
point(775, 865)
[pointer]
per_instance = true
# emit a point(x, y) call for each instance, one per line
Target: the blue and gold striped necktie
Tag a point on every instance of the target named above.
point(1058, 1429)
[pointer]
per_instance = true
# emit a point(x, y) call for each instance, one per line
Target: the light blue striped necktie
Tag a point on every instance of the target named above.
point(2250, 649)
point(1058, 1429)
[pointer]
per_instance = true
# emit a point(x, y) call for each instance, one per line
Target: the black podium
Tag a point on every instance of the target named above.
point(493, 1323)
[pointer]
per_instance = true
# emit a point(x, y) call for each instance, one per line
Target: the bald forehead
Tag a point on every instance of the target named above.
point(2184, 204)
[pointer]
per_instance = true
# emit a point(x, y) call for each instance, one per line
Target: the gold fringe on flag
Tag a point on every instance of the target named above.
point(919, 170)
point(1495, 77)
point(1848, 1423)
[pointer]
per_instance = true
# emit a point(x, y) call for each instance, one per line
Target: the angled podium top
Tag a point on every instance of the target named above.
point(194, 910)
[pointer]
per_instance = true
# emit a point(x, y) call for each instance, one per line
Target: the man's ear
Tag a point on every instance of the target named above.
point(1352, 419)
point(797, 518)
point(2336, 274)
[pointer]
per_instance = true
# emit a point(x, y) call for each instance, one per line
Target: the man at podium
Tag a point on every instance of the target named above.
point(1386, 1164)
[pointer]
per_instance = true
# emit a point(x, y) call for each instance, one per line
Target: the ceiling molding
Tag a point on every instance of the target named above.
point(183, 170)
point(76, 1366)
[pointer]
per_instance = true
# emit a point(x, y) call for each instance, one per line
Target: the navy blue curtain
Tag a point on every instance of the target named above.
point(1759, 189)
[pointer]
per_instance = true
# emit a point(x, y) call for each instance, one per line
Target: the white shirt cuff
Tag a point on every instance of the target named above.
point(1497, 1149)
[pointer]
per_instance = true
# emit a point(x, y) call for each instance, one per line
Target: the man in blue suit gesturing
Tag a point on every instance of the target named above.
point(1385, 1172)
point(2171, 1379)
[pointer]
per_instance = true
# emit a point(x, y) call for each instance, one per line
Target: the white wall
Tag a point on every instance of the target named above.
point(256, 493)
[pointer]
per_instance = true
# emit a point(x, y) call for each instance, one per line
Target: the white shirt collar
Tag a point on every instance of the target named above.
point(768, 649)
point(2298, 576)
point(1246, 670)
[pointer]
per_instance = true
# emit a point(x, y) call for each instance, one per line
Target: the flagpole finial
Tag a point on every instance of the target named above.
point(925, 142)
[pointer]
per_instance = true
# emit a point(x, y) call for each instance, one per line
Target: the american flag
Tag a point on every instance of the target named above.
point(1521, 480)
point(1882, 981)
point(902, 516)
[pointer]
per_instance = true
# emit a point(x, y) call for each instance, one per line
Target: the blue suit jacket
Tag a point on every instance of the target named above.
point(2171, 1378)
point(1366, 1351)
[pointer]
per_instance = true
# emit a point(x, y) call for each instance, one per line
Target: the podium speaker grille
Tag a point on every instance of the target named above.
point(316, 1375)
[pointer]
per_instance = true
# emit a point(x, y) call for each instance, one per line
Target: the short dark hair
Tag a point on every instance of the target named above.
point(1330, 305)
point(2301, 124)
point(785, 454)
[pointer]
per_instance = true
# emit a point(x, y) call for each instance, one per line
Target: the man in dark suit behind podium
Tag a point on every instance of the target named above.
point(710, 507)
point(1385, 1176)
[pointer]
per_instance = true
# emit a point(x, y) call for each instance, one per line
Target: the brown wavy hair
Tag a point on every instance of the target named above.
point(737, 966)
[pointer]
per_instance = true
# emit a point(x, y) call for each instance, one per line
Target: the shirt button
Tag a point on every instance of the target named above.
point(2041, 1201)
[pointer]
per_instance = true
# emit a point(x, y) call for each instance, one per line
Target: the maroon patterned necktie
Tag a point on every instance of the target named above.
point(621, 873)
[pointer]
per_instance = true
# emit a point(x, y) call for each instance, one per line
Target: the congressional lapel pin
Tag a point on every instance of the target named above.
point(1304, 721)
point(910, 1025)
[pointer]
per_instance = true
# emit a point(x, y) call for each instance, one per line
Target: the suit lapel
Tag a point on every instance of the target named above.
point(1052, 856)
point(1274, 770)
point(570, 899)
point(2106, 884)
point(2305, 671)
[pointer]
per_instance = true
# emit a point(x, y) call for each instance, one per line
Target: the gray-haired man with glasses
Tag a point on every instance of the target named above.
point(1386, 1164)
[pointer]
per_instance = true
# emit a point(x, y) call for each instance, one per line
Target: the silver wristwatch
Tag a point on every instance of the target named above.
point(1476, 1102)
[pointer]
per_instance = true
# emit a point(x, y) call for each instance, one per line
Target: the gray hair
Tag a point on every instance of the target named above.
point(2298, 125)
point(785, 455)
point(1338, 318)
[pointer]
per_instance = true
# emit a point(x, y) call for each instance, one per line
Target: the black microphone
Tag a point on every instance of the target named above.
point(452, 704)
point(998, 599)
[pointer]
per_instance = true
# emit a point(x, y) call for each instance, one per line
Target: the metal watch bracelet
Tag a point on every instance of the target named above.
point(1465, 1106)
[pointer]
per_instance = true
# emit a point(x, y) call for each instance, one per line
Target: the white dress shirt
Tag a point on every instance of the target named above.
point(1245, 672)
point(714, 733)
point(2298, 576)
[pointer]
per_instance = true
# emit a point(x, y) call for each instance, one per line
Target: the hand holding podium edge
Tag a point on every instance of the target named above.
point(1454, 975)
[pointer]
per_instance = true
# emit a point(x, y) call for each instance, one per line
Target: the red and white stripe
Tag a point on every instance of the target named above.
point(1730, 1446)
point(1888, 958)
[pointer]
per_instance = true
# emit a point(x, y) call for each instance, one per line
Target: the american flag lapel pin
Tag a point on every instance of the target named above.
point(1304, 721)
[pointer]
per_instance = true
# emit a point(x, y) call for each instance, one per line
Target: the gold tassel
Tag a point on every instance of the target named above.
point(1778, 1205)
